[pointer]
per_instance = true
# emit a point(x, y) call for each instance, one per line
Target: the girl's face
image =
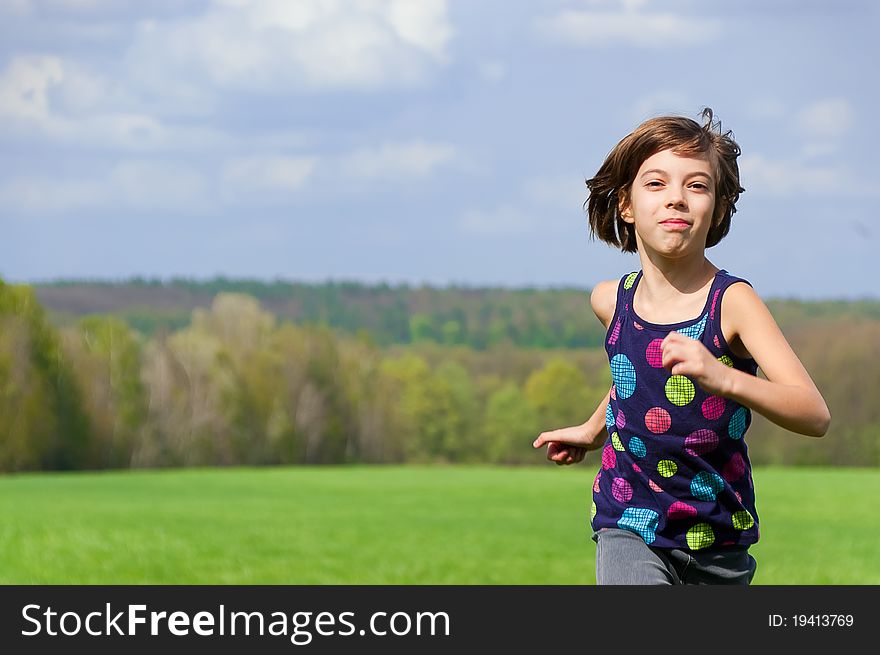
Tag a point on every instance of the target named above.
point(671, 203)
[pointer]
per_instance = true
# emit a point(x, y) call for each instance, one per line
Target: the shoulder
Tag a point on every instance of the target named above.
point(741, 300)
point(743, 315)
point(603, 300)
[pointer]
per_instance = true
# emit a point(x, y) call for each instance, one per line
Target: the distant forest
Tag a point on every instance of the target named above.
point(478, 318)
point(100, 375)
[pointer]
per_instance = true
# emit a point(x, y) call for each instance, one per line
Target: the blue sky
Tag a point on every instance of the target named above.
point(425, 141)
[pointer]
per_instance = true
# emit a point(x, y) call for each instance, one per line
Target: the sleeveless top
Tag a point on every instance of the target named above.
point(675, 469)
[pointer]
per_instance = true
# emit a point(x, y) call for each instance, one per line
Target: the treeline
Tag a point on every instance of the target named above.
point(479, 318)
point(239, 387)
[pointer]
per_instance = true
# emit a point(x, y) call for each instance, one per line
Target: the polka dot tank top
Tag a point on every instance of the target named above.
point(675, 469)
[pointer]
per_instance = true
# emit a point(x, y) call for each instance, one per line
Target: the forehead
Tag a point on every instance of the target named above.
point(669, 161)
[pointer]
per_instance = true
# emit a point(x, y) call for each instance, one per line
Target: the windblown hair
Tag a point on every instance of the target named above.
point(611, 186)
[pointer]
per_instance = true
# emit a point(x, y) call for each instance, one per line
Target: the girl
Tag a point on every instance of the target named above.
point(674, 501)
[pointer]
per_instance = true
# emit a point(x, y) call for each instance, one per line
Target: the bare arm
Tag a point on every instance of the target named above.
point(788, 396)
point(591, 434)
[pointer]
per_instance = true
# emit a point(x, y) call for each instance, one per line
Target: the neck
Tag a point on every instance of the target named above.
point(662, 276)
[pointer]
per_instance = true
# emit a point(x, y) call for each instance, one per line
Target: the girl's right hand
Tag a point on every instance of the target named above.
point(564, 454)
point(568, 445)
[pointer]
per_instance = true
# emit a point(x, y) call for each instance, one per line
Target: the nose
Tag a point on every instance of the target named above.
point(675, 199)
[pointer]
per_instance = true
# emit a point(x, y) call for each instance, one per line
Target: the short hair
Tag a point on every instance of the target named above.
point(684, 136)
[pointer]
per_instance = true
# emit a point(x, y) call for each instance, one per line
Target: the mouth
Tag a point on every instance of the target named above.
point(676, 222)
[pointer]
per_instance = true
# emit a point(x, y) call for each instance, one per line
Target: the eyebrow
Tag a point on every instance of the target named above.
point(689, 175)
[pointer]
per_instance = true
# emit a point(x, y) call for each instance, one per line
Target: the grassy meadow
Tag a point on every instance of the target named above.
point(388, 525)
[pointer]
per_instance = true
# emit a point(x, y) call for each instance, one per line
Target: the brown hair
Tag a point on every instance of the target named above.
point(611, 186)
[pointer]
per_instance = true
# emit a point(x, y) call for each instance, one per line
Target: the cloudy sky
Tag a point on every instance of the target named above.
point(426, 141)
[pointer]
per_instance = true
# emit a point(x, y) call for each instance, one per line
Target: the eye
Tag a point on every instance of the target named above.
point(654, 183)
point(699, 186)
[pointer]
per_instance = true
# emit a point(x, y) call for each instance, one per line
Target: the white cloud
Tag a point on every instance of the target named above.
point(392, 161)
point(631, 27)
point(315, 44)
point(148, 184)
point(47, 97)
point(814, 149)
point(795, 178)
point(501, 221)
point(56, 99)
point(25, 85)
point(829, 118)
point(274, 173)
point(565, 192)
point(131, 184)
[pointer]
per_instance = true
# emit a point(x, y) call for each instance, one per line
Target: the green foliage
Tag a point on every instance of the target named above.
point(239, 386)
point(42, 424)
point(401, 314)
point(560, 394)
point(106, 358)
point(510, 425)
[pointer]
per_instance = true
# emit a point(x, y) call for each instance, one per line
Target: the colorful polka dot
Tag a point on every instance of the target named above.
point(679, 510)
point(706, 486)
point(609, 416)
point(621, 490)
point(734, 469)
point(700, 536)
point(655, 487)
point(637, 447)
point(617, 443)
point(636, 468)
point(695, 331)
point(640, 520)
point(613, 392)
point(667, 468)
point(727, 361)
point(638, 326)
point(716, 342)
point(628, 282)
point(596, 481)
point(609, 459)
point(713, 407)
point(679, 390)
point(657, 420)
point(742, 520)
point(620, 421)
point(737, 426)
point(592, 510)
point(624, 374)
point(700, 442)
point(654, 353)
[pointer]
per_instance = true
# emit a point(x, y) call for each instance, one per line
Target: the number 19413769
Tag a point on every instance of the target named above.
point(811, 621)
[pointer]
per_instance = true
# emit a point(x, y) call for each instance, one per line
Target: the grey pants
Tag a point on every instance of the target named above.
point(623, 558)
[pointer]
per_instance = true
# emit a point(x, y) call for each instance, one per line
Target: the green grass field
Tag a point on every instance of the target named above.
point(388, 525)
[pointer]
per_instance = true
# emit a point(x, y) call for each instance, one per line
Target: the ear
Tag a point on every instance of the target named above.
point(625, 210)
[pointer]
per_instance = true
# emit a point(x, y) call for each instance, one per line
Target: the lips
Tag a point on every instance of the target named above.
point(675, 221)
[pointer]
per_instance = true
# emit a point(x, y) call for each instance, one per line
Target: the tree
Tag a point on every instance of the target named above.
point(560, 394)
point(106, 358)
point(510, 425)
point(42, 425)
